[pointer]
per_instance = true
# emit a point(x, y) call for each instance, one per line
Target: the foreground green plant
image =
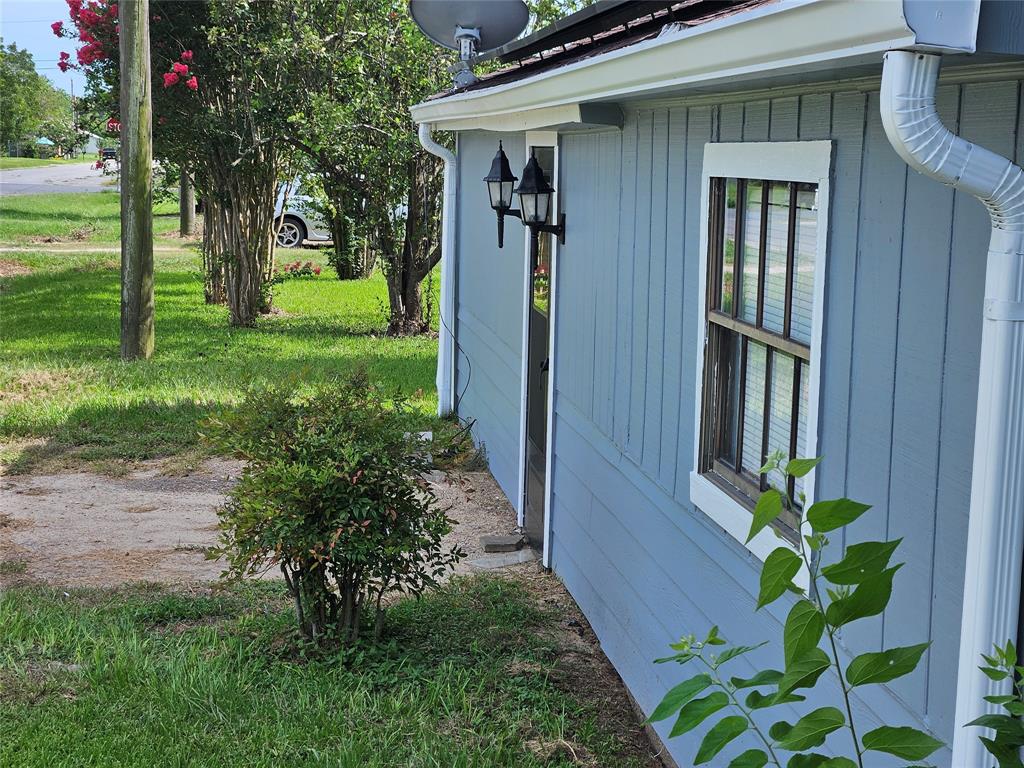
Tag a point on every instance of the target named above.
point(858, 586)
point(332, 495)
point(1005, 746)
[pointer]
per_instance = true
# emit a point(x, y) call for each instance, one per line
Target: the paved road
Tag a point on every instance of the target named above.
point(76, 177)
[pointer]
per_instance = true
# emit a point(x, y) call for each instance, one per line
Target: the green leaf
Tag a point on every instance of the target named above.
point(812, 760)
point(1007, 755)
point(839, 762)
point(1004, 725)
point(764, 677)
point(804, 627)
point(994, 674)
point(804, 673)
point(715, 740)
point(779, 730)
point(868, 599)
point(905, 742)
point(812, 729)
point(757, 700)
point(861, 561)
point(884, 666)
point(752, 758)
point(739, 650)
point(825, 516)
point(769, 507)
point(678, 696)
point(800, 467)
point(777, 574)
point(679, 658)
point(697, 711)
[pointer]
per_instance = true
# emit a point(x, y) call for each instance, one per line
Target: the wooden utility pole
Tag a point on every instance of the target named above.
point(186, 205)
point(136, 182)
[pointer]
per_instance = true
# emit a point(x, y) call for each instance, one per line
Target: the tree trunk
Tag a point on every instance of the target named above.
point(186, 205)
point(137, 305)
point(214, 248)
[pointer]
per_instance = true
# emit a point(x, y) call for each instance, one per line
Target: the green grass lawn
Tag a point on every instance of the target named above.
point(147, 676)
point(67, 397)
point(73, 218)
point(12, 163)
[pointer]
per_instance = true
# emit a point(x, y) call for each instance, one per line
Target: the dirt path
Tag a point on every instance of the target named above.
point(84, 529)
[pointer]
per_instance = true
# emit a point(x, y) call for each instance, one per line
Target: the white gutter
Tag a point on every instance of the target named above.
point(790, 37)
point(446, 337)
point(995, 534)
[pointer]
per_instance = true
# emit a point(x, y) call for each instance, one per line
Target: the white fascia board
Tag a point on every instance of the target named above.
point(791, 36)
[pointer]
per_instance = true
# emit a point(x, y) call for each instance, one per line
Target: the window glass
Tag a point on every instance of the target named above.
point(542, 269)
point(805, 245)
point(753, 407)
point(751, 251)
point(728, 247)
point(780, 414)
point(776, 242)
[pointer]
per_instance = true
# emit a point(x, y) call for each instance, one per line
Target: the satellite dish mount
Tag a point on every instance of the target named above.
point(469, 27)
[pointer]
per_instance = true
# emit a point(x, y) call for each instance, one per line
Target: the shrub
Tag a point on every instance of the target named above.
point(860, 586)
point(333, 495)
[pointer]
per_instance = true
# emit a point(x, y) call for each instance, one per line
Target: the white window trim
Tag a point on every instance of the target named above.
point(539, 139)
point(803, 161)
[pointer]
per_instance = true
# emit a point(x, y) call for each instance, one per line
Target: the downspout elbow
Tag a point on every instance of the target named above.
point(919, 137)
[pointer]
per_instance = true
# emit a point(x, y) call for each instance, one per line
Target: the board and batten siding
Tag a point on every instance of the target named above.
point(905, 277)
point(489, 310)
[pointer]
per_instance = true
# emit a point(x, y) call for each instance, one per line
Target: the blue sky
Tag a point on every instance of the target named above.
point(27, 24)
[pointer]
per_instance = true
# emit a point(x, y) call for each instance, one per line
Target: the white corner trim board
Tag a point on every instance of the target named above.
point(802, 161)
point(445, 378)
point(995, 533)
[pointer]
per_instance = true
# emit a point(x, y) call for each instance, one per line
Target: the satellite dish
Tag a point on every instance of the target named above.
point(469, 26)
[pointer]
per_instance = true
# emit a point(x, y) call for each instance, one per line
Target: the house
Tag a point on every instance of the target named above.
point(774, 239)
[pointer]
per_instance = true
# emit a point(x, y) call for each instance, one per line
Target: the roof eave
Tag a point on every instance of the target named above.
point(792, 36)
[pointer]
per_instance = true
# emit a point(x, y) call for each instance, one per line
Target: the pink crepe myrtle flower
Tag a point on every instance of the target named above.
point(170, 78)
point(186, 56)
point(57, 27)
point(181, 69)
point(192, 83)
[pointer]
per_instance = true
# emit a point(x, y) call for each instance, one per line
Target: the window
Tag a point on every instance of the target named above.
point(766, 213)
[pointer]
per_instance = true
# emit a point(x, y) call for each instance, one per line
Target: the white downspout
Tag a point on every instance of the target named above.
point(446, 338)
point(995, 535)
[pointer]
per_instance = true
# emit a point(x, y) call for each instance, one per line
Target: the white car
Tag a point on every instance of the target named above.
point(298, 222)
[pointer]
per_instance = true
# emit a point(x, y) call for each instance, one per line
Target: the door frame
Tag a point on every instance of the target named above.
point(539, 139)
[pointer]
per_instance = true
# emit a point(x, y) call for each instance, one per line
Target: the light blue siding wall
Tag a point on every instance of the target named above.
point(489, 311)
point(904, 287)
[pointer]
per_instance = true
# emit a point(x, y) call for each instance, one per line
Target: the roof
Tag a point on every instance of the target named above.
point(690, 47)
point(606, 25)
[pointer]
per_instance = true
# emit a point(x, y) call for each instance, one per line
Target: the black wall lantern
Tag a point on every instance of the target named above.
point(535, 195)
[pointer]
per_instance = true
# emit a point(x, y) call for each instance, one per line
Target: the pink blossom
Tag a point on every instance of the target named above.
point(181, 69)
point(186, 56)
point(192, 83)
point(316, 270)
point(63, 65)
point(88, 16)
point(112, 11)
point(57, 27)
point(170, 78)
point(74, 8)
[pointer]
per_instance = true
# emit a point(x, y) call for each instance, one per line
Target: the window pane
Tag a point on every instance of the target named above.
point(801, 429)
point(780, 416)
point(731, 352)
point(805, 251)
point(751, 251)
point(753, 407)
point(728, 246)
point(775, 257)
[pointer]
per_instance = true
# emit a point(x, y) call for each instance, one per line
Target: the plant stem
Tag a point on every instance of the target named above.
point(813, 575)
point(741, 708)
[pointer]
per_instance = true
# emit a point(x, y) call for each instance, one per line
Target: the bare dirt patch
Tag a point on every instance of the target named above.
point(11, 268)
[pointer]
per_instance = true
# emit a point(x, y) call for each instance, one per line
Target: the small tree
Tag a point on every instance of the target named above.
point(332, 495)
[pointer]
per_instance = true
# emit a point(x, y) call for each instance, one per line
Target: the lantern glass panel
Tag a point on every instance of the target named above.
point(528, 205)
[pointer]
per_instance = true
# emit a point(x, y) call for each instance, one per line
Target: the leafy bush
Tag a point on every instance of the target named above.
point(333, 495)
point(294, 269)
point(861, 584)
